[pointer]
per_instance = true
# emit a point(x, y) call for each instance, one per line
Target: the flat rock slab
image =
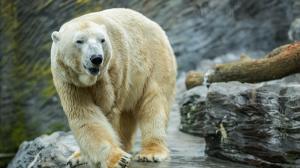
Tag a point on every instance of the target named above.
point(52, 151)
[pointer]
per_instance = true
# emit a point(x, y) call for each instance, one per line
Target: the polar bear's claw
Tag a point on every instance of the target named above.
point(124, 161)
point(75, 160)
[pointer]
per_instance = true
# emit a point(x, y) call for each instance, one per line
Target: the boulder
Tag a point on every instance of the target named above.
point(192, 110)
point(45, 151)
point(256, 124)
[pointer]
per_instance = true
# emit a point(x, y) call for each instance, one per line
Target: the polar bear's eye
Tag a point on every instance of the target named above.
point(102, 40)
point(79, 41)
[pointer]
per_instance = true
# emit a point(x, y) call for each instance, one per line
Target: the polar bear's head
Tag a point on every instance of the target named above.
point(83, 46)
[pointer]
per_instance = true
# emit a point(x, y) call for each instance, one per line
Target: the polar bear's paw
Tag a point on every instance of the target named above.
point(120, 159)
point(152, 153)
point(124, 162)
point(75, 160)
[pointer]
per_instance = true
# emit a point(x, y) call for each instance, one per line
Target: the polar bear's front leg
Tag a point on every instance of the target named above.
point(98, 142)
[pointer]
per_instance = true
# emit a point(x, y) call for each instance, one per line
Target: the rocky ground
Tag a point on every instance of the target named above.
point(52, 151)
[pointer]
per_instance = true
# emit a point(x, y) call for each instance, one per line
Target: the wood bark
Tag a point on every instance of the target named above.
point(280, 62)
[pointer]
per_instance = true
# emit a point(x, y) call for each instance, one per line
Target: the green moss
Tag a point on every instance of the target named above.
point(15, 134)
point(43, 4)
point(46, 46)
point(18, 134)
point(82, 1)
point(57, 127)
point(88, 7)
point(48, 91)
point(292, 157)
point(9, 18)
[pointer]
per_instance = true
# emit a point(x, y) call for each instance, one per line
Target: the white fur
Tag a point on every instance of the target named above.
point(135, 86)
point(87, 80)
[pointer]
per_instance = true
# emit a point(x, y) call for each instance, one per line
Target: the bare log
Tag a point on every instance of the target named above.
point(194, 79)
point(280, 62)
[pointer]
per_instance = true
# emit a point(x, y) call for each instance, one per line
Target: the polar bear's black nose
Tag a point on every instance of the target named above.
point(96, 59)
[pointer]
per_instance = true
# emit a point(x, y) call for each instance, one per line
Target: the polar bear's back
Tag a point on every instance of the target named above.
point(126, 17)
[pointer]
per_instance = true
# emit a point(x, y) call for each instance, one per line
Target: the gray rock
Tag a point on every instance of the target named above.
point(46, 151)
point(257, 124)
point(191, 110)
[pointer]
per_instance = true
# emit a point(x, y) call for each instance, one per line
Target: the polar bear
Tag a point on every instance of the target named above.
point(114, 71)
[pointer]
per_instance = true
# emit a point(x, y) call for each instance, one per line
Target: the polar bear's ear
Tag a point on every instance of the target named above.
point(55, 36)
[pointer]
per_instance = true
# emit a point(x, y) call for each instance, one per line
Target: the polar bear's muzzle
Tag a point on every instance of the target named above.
point(93, 58)
point(96, 61)
point(92, 70)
